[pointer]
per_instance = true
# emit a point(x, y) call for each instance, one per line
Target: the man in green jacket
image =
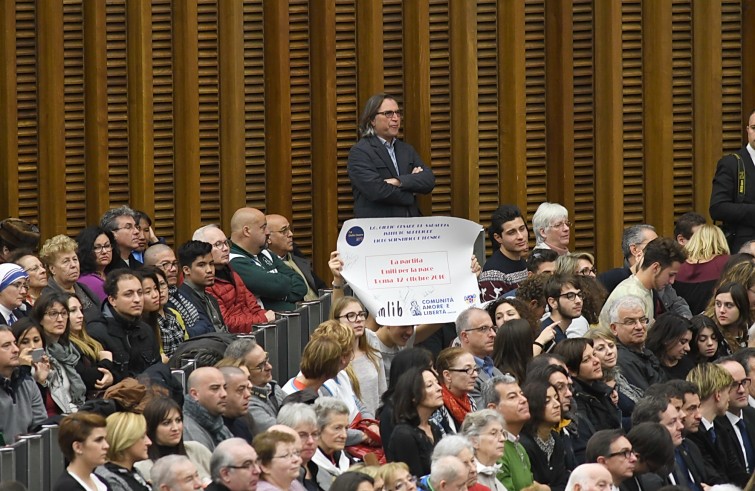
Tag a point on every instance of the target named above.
point(277, 286)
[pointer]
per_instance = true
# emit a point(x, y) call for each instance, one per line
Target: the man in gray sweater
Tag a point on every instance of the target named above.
point(21, 404)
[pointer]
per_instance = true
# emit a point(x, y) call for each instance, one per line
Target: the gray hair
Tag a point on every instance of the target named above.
point(221, 456)
point(625, 302)
point(581, 475)
point(451, 445)
point(109, 220)
point(489, 394)
point(544, 215)
point(325, 406)
point(462, 321)
point(477, 421)
point(162, 471)
point(632, 236)
point(199, 233)
point(446, 468)
point(239, 348)
point(297, 413)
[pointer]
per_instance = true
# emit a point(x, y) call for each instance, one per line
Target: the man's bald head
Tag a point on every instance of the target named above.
point(243, 216)
point(589, 477)
point(281, 239)
point(163, 257)
point(152, 253)
point(249, 230)
point(208, 387)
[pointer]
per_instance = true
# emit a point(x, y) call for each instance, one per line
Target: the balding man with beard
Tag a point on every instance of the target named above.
point(276, 285)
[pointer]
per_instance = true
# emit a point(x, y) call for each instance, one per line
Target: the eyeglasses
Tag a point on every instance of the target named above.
point(565, 223)
point(285, 230)
point(247, 464)
point(390, 114)
point(627, 454)
point(404, 483)
point(222, 244)
point(291, 455)
point(21, 285)
point(468, 371)
point(483, 329)
point(262, 365)
point(52, 314)
point(167, 265)
point(129, 227)
point(587, 271)
point(744, 383)
point(573, 295)
point(304, 436)
point(631, 322)
point(102, 248)
point(35, 268)
point(352, 316)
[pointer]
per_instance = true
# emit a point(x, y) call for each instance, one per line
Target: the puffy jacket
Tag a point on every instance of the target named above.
point(238, 305)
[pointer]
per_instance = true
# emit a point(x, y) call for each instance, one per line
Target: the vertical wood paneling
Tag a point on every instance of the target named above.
point(512, 145)
point(9, 115)
point(634, 186)
point(487, 93)
point(231, 67)
point(254, 104)
point(95, 110)
point(464, 135)
point(369, 56)
point(52, 168)
point(534, 18)
point(440, 107)
point(348, 96)
point(394, 27)
point(209, 116)
point(609, 132)
point(706, 98)
point(416, 121)
point(162, 100)
point(300, 199)
point(186, 100)
point(559, 104)
point(733, 35)
point(73, 94)
point(27, 107)
point(747, 63)
point(117, 102)
point(325, 42)
point(682, 149)
point(583, 230)
point(141, 148)
point(658, 146)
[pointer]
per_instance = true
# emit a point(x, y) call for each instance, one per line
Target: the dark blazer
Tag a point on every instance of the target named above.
point(66, 482)
point(730, 437)
point(305, 264)
point(720, 461)
point(738, 217)
point(370, 165)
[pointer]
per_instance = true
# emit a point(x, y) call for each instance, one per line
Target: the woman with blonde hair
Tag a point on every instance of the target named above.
point(707, 253)
point(396, 476)
point(59, 255)
point(367, 364)
point(129, 443)
point(279, 461)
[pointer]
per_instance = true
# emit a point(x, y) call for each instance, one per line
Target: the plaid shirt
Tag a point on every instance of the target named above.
point(172, 331)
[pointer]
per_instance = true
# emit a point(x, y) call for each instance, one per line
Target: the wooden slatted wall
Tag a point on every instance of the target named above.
point(367, 51)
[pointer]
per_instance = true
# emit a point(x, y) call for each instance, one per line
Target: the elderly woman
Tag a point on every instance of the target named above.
point(82, 439)
point(59, 254)
point(36, 271)
point(280, 461)
point(396, 477)
point(14, 283)
point(458, 372)
point(485, 430)
point(460, 447)
point(95, 253)
point(303, 420)
point(552, 228)
point(129, 443)
point(330, 459)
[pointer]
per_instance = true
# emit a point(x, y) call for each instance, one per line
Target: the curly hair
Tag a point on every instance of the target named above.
point(57, 245)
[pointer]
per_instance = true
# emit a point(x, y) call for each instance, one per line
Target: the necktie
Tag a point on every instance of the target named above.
point(12, 319)
point(712, 434)
point(746, 444)
point(681, 472)
point(392, 153)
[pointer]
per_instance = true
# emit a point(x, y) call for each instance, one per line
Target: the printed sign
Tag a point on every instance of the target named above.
point(410, 271)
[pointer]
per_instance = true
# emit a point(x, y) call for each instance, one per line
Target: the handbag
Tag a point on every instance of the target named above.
point(367, 451)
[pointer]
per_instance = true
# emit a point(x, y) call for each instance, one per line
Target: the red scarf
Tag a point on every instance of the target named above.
point(457, 406)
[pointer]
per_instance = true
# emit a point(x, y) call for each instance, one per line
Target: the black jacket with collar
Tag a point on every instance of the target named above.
point(738, 216)
point(720, 460)
point(641, 368)
point(729, 436)
point(594, 412)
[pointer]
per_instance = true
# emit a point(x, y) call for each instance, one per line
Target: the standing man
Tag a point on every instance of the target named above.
point(386, 174)
point(732, 198)
point(506, 267)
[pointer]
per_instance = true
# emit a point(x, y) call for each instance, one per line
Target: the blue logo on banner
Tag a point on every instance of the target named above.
point(354, 236)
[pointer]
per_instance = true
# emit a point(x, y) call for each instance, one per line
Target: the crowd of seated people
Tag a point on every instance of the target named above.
point(566, 375)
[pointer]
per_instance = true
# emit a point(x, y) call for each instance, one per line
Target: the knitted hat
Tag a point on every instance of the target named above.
point(16, 233)
point(9, 273)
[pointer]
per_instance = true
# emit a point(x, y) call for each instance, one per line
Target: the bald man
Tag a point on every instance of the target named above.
point(448, 474)
point(589, 477)
point(277, 286)
point(205, 406)
point(281, 242)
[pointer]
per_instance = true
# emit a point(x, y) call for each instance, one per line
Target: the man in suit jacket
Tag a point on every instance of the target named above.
point(738, 424)
point(386, 174)
point(281, 242)
point(735, 207)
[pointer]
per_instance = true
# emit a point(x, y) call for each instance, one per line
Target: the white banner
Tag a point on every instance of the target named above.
point(410, 271)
